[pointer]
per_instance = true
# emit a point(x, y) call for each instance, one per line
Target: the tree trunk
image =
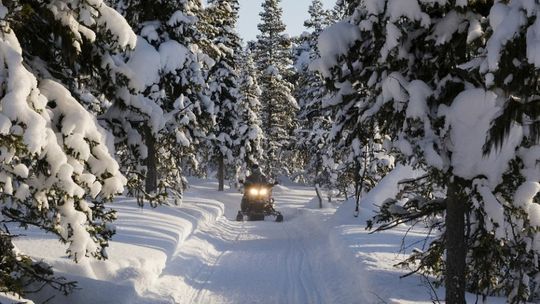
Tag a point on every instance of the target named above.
point(456, 249)
point(221, 172)
point(317, 177)
point(318, 191)
point(151, 161)
point(270, 156)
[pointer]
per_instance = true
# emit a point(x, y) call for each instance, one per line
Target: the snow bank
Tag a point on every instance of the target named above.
point(376, 254)
point(9, 298)
point(145, 241)
point(386, 188)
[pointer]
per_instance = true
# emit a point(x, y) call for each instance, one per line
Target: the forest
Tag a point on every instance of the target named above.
point(102, 98)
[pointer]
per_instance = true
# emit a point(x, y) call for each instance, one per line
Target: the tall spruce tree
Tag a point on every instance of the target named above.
point(354, 156)
point(249, 146)
point(273, 60)
point(318, 17)
point(511, 69)
point(382, 41)
point(164, 100)
point(405, 71)
point(338, 12)
point(221, 18)
point(56, 168)
point(313, 122)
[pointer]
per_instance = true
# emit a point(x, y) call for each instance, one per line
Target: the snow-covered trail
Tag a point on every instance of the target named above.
point(260, 262)
point(193, 254)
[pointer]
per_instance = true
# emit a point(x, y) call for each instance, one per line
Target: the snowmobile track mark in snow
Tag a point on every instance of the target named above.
point(304, 268)
point(295, 276)
point(208, 271)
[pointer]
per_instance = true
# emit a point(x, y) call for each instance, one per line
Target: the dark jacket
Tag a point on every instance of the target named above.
point(256, 178)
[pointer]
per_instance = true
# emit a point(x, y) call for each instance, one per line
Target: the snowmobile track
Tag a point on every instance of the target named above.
point(299, 269)
point(206, 272)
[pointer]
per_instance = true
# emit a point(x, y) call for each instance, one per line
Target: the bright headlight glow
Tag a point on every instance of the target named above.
point(253, 191)
point(263, 191)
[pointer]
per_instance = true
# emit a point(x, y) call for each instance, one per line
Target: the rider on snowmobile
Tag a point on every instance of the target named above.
point(257, 177)
point(257, 201)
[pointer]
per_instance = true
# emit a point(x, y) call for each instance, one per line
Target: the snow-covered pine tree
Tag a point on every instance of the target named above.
point(318, 17)
point(354, 155)
point(403, 63)
point(511, 69)
point(220, 19)
point(56, 167)
point(164, 100)
point(198, 125)
point(273, 60)
point(86, 69)
point(337, 13)
point(313, 122)
point(250, 134)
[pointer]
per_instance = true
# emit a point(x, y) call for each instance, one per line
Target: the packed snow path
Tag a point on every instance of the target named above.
point(260, 262)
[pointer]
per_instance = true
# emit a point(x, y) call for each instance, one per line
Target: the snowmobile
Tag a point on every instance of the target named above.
point(257, 203)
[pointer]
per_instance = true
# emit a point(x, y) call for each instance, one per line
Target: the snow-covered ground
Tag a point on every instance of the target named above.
point(197, 253)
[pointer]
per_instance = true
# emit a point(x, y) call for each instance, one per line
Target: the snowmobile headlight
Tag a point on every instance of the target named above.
point(263, 191)
point(253, 191)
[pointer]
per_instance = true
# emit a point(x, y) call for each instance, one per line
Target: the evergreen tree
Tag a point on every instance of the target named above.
point(400, 70)
point(272, 57)
point(221, 18)
point(511, 70)
point(56, 168)
point(318, 17)
point(313, 122)
point(353, 156)
point(164, 100)
point(338, 12)
point(88, 70)
point(250, 133)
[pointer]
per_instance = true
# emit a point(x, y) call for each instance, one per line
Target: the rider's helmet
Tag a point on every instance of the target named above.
point(256, 169)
